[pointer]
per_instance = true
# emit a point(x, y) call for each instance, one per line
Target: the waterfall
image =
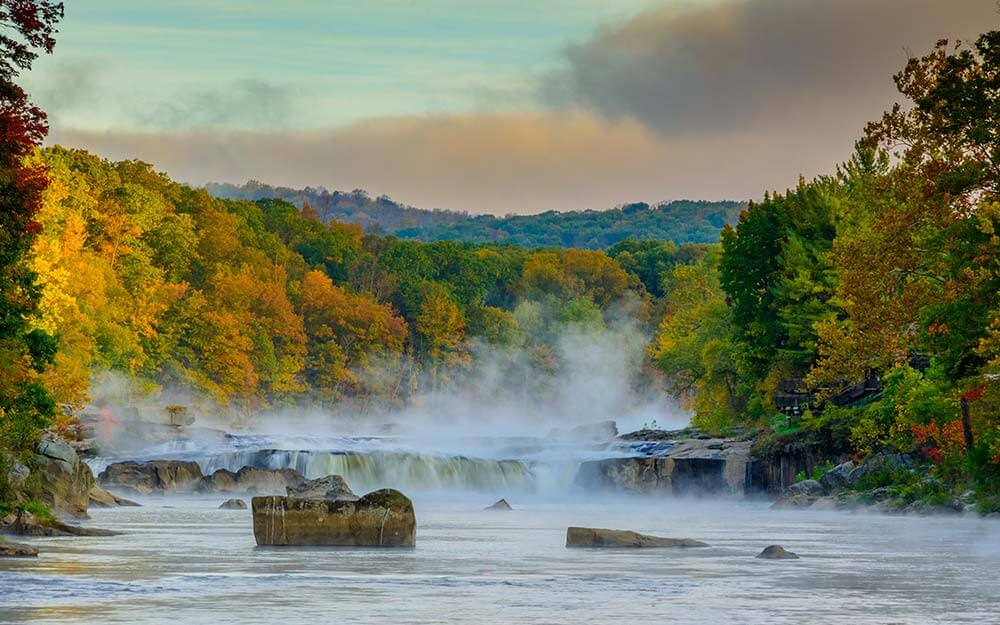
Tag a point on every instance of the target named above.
point(401, 469)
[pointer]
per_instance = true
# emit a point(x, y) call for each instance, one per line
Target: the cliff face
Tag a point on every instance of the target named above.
point(710, 466)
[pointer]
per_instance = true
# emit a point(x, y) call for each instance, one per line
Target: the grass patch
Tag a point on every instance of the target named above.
point(39, 510)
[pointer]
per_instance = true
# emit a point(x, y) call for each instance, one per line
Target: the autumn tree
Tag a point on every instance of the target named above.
point(25, 405)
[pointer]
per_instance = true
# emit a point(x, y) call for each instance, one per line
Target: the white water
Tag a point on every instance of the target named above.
point(412, 464)
point(182, 561)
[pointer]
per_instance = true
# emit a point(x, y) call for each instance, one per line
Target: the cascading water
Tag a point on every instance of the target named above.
point(513, 465)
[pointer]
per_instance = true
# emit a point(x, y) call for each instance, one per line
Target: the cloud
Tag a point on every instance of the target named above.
point(240, 104)
point(725, 101)
point(495, 163)
point(759, 64)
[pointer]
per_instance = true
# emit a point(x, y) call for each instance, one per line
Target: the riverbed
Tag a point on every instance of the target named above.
point(181, 560)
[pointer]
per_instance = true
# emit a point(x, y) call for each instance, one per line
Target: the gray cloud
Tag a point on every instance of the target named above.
point(237, 105)
point(760, 64)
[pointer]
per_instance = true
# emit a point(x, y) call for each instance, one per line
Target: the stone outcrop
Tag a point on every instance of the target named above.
point(24, 523)
point(100, 498)
point(500, 505)
point(382, 518)
point(64, 480)
point(152, 477)
point(776, 552)
point(15, 550)
point(233, 504)
point(620, 539)
point(331, 487)
point(689, 467)
point(251, 481)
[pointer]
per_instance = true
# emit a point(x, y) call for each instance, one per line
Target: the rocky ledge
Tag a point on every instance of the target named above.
point(161, 477)
point(667, 466)
point(382, 518)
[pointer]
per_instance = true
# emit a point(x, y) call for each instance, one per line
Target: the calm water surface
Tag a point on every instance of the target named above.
point(184, 561)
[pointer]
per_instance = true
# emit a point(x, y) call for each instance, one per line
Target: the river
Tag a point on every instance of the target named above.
point(182, 560)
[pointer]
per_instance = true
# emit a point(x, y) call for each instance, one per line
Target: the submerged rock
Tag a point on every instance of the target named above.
point(64, 480)
point(152, 477)
point(776, 552)
point(500, 505)
point(15, 550)
point(250, 480)
point(233, 504)
point(614, 539)
point(331, 487)
point(382, 518)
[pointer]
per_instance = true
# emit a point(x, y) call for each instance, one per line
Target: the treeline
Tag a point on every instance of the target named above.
point(380, 215)
point(885, 273)
point(261, 304)
point(680, 221)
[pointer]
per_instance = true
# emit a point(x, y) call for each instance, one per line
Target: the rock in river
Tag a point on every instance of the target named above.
point(14, 550)
point(382, 518)
point(596, 537)
point(500, 505)
point(331, 487)
point(251, 480)
point(233, 504)
point(153, 477)
point(776, 552)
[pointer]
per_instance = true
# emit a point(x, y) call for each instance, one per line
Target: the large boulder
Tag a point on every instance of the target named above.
point(64, 480)
point(800, 495)
point(250, 481)
point(838, 477)
point(615, 539)
point(153, 477)
point(331, 487)
point(382, 518)
point(880, 463)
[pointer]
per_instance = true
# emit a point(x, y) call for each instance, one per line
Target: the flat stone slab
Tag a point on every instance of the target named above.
point(622, 539)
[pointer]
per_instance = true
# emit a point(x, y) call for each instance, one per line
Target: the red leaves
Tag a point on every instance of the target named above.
point(974, 394)
point(939, 442)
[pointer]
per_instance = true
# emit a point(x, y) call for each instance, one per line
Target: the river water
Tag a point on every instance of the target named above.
point(181, 560)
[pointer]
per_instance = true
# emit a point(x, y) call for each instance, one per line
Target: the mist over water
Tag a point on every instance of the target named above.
point(502, 429)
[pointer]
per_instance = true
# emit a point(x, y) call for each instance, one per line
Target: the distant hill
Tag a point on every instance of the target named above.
point(681, 221)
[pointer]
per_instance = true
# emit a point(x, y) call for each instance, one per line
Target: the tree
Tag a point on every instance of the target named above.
point(25, 405)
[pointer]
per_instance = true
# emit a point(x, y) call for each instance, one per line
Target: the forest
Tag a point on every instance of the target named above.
point(679, 221)
point(886, 270)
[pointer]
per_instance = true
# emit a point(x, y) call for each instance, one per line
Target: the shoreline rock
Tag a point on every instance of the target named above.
point(24, 523)
point(593, 537)
point(16, 550)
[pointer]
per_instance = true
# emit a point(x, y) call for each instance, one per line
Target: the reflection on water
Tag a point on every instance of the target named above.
point(184, 561)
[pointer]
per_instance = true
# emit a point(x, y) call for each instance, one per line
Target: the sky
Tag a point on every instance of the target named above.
point(502, 106)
